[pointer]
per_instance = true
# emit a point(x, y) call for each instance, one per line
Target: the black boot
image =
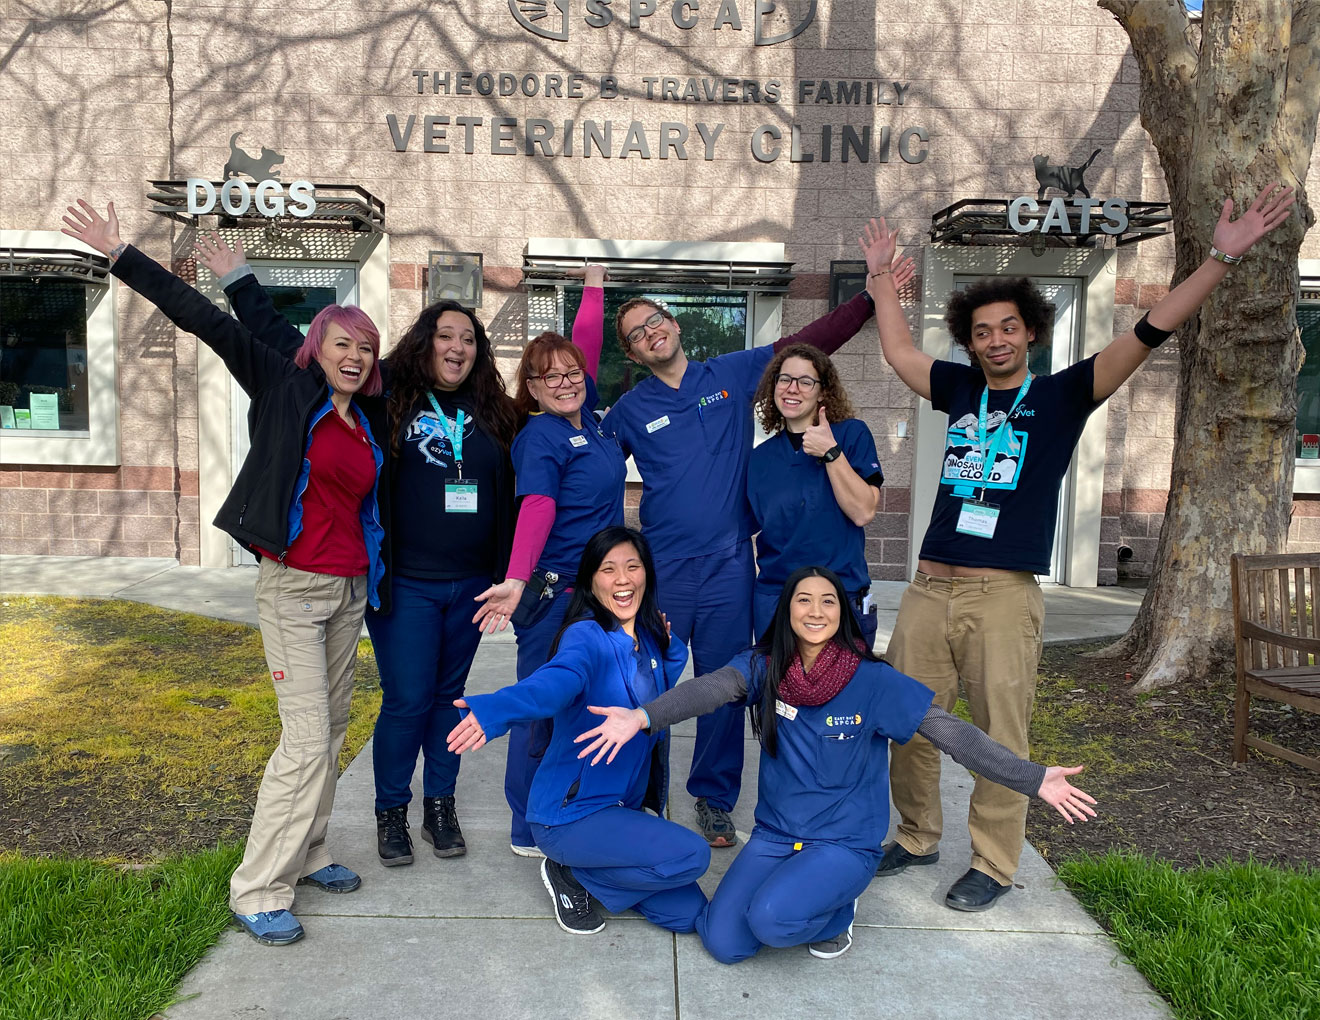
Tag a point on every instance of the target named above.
point(440, 827)
point(392, 840)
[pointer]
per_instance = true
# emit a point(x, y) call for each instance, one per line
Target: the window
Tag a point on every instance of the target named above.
point(1308, 383)
point(711, 323)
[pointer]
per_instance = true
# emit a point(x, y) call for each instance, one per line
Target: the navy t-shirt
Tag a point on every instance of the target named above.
point(582, 470)
point(793, 503)
point(829, 779)
point(1029, 465)
point(691, 446)
point(430, 543)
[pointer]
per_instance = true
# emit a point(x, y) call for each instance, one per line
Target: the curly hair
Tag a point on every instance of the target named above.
point(627, 307)
point(1037, 313)
point(537, 357)
point(833, 397)
point(412, 375)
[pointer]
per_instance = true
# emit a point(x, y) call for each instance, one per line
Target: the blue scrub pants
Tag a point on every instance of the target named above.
point(424, 647)
point(766, 596)
point(708, 601)
point(773, 895)
point(528, 741)
point(628, 858)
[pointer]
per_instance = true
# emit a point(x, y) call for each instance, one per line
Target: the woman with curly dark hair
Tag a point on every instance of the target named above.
point(814, 485)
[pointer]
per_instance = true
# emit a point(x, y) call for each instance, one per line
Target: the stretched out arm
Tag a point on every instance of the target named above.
point(252, 364)
point(910, 364)
point(698, 696)
point(971, 748)
point(589, 323)
point(1234, 238)
point(251, 304)
point(536, 517)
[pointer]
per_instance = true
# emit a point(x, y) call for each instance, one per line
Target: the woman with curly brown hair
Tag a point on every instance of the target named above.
point(814, 485)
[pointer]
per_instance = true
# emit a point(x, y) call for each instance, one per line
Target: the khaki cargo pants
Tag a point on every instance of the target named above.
point(310, 624)
point(986, 631)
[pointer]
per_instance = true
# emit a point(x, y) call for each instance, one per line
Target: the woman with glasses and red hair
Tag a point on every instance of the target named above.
point(570, 476)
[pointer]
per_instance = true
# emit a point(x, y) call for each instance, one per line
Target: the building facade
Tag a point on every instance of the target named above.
point(724, 153)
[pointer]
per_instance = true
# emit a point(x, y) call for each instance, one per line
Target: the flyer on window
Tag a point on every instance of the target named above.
point(7, 417)
point(22, 418)
point(45, 409)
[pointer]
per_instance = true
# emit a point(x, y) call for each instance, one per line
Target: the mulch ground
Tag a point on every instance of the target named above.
point(1163, 773)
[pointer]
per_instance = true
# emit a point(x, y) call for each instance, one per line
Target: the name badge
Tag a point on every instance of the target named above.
point(978, 518)
point(787, 711)
point(658, 424)
point(460, 496)
point(577, 440)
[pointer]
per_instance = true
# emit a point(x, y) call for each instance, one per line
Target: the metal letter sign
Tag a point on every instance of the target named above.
point(549, 18)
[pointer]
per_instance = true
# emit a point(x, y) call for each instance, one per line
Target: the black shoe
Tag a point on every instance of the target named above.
point(715, 824)
point(440, 827)
point(897, 860)
point(573, 907)
point(974, 891)
point(392, 840)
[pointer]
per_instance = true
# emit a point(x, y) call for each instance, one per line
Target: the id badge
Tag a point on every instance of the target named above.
point(978, 518)
point(787, 711)
point(460, 496)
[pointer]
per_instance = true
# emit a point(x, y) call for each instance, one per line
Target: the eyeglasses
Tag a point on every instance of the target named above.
point(805, 383)
point(652, 321)
point(556, 379)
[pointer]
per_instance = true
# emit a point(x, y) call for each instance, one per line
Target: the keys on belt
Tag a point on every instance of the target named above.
point(551, 579)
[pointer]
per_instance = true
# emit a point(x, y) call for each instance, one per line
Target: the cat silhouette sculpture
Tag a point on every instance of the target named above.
point(1068, 179)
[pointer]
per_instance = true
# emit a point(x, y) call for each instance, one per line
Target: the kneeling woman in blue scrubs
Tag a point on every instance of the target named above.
point(814, 485)
point(590, 823)
point(824, 708)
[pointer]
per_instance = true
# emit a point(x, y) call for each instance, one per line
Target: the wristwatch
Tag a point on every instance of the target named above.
point(832, 454)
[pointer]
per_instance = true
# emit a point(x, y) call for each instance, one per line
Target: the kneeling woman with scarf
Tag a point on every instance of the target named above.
point(824, 708)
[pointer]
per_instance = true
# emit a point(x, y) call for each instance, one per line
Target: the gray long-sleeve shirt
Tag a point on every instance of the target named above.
point(961, 741)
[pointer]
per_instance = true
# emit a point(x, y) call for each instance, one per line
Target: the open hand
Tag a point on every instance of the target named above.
point(818, 439)
point(1065, 798)
point(500, 600)
point(619, 727)
point(878, 246)
point(1270, 208)
point(468, 734)
point(87, 225)
point(903, 269)
point(218, 257)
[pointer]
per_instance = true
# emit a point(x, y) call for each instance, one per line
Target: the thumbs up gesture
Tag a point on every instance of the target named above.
point(818, 439)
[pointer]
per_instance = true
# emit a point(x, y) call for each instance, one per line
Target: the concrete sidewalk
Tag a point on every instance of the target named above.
point(474, 936)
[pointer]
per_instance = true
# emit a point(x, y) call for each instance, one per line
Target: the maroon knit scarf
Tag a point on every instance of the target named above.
point(829, 674)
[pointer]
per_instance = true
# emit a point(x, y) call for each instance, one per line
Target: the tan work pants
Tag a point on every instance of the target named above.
point(986, 630)
point(310, 624)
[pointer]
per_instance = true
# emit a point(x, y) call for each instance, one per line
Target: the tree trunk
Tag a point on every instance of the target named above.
point(1228, 113)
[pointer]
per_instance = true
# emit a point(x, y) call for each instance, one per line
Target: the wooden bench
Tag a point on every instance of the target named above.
point(1276, 627)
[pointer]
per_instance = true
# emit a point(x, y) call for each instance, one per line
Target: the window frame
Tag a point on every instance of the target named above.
point(1306, 473)
point(99, 446)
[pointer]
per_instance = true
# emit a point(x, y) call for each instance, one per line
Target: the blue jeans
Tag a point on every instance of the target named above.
point(424, 647)
point(708, 601)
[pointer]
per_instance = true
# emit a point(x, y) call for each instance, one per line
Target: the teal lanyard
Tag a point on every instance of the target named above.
point(453, 433)
point(988, 455)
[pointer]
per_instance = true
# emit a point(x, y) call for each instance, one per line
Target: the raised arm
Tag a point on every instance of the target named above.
point(698, 696)
point(970, 747)
point(910, 364)
point(253, 364)
point(1232, 239)
point(251, 304)
point(589, 323)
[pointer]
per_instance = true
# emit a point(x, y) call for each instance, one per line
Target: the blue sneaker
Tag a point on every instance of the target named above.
point(271, 927)
point(333, 878)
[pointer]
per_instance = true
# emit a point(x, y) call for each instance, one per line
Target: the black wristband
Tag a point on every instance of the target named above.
point(1151, 336)
point(832, 454)
point(869, 300)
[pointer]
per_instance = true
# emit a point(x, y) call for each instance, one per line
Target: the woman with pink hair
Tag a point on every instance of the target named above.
point(304, 501)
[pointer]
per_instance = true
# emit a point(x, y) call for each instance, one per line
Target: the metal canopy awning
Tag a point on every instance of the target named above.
point(985, 221)
point(54, 264)
point(663, 273)
point(338, 207)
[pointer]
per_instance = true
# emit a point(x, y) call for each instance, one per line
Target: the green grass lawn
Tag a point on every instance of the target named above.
point(1228, 941)
point(90, 941)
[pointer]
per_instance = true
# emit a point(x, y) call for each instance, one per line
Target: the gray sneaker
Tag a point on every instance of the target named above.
point(574, 910)
point(828, 949)
point(715, 824)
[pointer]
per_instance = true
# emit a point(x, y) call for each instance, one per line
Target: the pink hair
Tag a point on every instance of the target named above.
point(358, 325)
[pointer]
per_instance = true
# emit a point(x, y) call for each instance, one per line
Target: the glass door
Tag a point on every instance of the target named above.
point(1065, 294)
point(299, 292)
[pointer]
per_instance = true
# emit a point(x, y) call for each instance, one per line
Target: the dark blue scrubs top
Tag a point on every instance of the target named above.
point(582, 470)
point(829, 780)
point(800, 520)
point(691, 446)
